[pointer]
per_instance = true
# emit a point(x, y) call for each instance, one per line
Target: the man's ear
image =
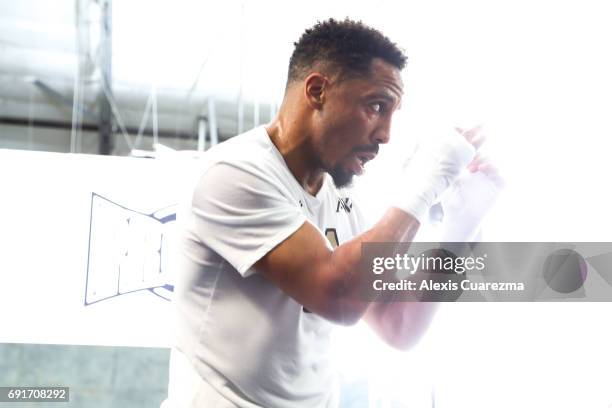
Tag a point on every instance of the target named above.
point(314, 90)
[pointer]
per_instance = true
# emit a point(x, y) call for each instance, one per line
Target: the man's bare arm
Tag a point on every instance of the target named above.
point(400, 324)
point(326, 281)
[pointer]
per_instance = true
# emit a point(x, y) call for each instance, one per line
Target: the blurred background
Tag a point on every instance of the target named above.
point(142, 78)
point(119, 78)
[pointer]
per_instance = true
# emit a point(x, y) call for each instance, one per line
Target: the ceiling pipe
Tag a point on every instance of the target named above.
point(212, 121)
point(201, 133)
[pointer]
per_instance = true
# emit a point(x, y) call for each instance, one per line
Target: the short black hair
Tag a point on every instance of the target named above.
point(344, 47)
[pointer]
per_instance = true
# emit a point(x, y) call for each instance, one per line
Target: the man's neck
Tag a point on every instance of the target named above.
point(292, 143)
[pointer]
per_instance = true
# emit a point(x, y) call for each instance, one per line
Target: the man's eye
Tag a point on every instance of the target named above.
point(377, 107)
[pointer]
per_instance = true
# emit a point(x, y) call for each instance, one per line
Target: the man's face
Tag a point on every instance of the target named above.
point(355, 119)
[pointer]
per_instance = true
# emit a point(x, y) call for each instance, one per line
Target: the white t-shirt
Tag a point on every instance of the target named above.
point(250, 343)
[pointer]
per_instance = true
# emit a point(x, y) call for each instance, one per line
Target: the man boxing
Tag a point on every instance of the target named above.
point(271, 238)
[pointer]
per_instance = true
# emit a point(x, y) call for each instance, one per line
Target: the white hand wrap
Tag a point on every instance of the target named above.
point(466, 204)
point(430, 172)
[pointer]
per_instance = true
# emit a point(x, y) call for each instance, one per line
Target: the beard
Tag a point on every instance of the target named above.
point(341, 177)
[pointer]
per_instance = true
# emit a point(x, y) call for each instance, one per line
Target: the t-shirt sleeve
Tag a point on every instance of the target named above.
point(242, 214)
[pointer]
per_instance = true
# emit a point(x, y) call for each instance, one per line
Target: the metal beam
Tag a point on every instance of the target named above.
point(82, 54)
point(212, 121)
point(256, 112)
point(201, 133)
point(89, 127)
point(105, 120)
point(68, 102)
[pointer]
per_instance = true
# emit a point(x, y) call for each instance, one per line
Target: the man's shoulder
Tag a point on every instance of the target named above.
point(248, 158)
point(250, 149)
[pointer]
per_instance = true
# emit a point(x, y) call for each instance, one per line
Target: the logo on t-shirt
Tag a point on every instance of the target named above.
point(344, 204)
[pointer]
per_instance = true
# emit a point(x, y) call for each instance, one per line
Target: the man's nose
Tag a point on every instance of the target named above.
point(382, 134)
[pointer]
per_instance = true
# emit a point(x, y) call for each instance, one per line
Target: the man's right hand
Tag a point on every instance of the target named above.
point(434, 167)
